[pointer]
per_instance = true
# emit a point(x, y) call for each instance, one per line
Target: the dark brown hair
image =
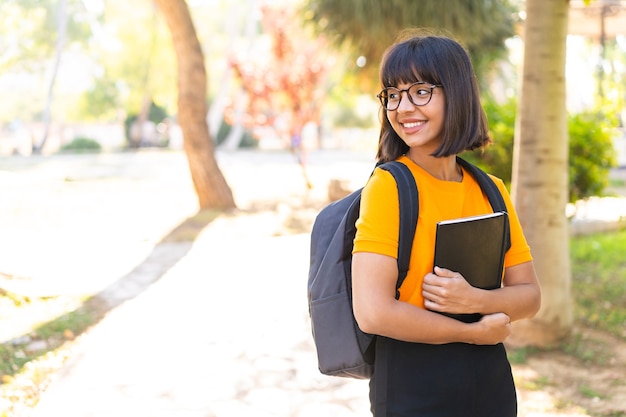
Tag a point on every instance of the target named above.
point(437, 60)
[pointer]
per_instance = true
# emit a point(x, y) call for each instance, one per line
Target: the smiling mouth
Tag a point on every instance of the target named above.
point(413, 124)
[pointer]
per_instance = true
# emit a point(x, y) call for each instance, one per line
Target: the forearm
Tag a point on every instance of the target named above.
point(518, 302)
point(409, 323)
point(378, 312)
point(519, 298)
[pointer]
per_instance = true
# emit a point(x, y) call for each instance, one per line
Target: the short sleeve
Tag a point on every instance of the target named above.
point(520, 250)
point(378, 223)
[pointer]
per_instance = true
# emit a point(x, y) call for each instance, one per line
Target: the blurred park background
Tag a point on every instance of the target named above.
point(124, 124)
point(81, 73)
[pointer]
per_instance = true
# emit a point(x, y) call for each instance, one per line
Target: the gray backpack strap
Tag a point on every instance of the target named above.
point(408, 196)
point(490, 189)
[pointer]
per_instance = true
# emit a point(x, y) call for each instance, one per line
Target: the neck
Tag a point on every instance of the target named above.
point(445, 168)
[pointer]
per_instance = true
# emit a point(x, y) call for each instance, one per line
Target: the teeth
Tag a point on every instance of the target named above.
point(413, 124)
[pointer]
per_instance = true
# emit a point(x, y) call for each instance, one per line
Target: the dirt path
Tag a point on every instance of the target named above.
point(52, 210)
point(588, 380)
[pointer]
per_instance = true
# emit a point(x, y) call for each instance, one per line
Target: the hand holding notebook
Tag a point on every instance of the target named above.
point(474, 247)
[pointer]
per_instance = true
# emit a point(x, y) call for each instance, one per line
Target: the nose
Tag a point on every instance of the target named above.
point(405, 102)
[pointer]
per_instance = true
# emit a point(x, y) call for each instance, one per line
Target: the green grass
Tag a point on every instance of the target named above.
point(520, 355)
point(590, 392)
point(599, 293)
point(617, 183)
point(599, 281)
point(536, 384)
point(52, 334)
point(588, 350)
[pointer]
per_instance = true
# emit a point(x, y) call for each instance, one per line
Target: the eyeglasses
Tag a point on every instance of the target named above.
point(419, 94)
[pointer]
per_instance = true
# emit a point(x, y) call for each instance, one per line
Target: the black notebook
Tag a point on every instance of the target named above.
point(474, 247)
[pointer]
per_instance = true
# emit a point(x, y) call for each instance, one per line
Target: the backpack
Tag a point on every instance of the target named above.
point(342, 348)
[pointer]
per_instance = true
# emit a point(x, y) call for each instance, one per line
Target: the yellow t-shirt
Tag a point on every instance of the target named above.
point(377, 226)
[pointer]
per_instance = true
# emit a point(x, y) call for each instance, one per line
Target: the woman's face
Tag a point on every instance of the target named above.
point(419, 126)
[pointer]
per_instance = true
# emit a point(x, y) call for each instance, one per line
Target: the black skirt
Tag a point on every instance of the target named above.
point(451, 380)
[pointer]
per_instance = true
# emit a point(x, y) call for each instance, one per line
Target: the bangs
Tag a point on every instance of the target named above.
point(406, 63)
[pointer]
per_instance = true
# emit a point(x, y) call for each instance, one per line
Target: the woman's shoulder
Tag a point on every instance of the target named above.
point(500, 184)
point(380, 183)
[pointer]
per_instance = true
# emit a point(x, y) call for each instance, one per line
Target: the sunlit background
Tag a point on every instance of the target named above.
point(115, 61)
point(96, 196)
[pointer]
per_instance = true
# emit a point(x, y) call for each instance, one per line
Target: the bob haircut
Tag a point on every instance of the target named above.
point(436, 60)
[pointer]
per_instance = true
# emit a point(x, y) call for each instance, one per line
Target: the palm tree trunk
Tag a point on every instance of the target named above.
point(209, 183)
point(540, 169)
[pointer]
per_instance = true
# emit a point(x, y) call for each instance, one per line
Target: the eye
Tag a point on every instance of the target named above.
point(422, 92)
point(393, 95)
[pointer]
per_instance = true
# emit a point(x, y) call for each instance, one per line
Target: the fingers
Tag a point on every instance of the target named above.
point(501, 318)
point(443, 272)
point(431, 305)
point(441, 277)
point(506, 318)
point(434, 296)
point(497, 328)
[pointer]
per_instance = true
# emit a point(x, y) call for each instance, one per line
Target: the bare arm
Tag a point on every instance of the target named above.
point(378, 312)
point(519, 298)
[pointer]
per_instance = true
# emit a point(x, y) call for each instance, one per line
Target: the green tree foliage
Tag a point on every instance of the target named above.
point(591, 154)
point(498, 157)
point(29, 31)
point(148, 67)
point(591, 150)
point(32, 44)
point(122, 54)
point(136, 61)
point(100, 101)
point(156, 114)
point(368, 27)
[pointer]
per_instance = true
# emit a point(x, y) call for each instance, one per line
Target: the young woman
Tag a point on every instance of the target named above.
point(427, 364)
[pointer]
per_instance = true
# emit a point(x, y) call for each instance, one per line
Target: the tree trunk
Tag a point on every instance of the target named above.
point(209, 183)
point(540, 169)
point(60, 46)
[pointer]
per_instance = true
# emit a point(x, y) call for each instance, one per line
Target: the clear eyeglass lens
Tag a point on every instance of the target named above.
point(419, 95)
